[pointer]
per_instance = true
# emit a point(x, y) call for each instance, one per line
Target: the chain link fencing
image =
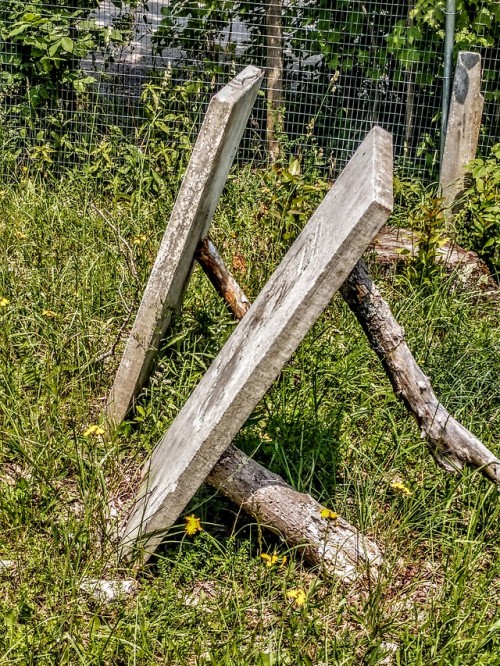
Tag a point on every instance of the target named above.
point(85, 84)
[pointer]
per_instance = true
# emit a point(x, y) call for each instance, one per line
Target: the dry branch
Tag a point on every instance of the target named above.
point(451, 444)
point(296, 517)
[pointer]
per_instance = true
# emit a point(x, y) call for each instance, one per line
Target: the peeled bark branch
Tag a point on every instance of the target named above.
point(451, 444)
point(334, 544)
point(224, 283)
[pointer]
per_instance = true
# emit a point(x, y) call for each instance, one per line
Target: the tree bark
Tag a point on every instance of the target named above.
point(274, 67)
point(451, 444)
point(332, 543)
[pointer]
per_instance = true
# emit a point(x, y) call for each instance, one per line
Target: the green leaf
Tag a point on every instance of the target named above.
point(54, 48)
point(67, 44)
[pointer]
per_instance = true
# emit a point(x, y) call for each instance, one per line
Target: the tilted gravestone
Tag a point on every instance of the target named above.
point(201, 188)
point(464, 123)
point(299, 290)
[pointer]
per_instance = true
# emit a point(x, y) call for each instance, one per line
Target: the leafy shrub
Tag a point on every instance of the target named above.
point(479, 218)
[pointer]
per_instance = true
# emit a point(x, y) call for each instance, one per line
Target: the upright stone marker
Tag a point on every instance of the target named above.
point(464, 123)
point(299, 290)
point(201, 188)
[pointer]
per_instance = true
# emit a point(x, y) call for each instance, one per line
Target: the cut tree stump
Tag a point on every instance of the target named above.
point(299, 290)
point(451, 444)
point(201, 188)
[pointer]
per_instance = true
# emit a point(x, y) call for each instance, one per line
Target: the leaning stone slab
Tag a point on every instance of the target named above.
point(464, 123)
point(299, 290)
point(201, 188)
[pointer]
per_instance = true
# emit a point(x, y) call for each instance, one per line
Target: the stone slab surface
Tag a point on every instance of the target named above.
point(299, 290)
point(201, 188)
point(464, 123)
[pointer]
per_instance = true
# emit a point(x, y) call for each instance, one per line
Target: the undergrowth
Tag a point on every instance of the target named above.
point(72, 270)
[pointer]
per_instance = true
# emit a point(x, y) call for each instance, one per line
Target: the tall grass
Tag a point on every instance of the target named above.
point(331, 426)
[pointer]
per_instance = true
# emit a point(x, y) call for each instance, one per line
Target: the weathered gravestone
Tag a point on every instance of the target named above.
point(201, 188)
point(464, 123)
point(299, 290)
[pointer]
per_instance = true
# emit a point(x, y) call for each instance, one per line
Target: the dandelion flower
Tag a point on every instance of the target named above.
point(273, 559)
point(4, 302)
point(193, 525)
point(400, 487)
point(298, 595)
point(270, 560)
point(329, 514)
point(94, 430)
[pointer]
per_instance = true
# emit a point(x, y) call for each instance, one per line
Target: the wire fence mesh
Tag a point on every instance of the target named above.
point(81, 80)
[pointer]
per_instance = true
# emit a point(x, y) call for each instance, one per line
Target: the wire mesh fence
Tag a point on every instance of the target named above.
point(87, 80)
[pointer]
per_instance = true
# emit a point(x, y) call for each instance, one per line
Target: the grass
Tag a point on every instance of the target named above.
point(331, 426)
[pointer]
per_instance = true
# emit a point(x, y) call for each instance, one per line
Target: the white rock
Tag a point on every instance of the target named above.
point(108, 590)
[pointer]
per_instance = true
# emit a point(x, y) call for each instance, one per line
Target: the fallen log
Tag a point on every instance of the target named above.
point(392, 246)
point(450, 443)
point(330, 542)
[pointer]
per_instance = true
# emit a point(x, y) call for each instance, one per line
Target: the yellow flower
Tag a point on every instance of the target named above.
point(270, 560)
point(193, 525)
point(400, 488)
point(138, 240)
point(273, 559)
point(298, 595)
point(329, 514)
point(4, 302)
point(49, 314)
point(94, 430)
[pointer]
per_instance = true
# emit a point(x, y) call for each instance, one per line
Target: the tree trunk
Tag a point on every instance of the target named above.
point(274, 68)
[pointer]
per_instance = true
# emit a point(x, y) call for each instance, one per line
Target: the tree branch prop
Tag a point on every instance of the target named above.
point(451, 444)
